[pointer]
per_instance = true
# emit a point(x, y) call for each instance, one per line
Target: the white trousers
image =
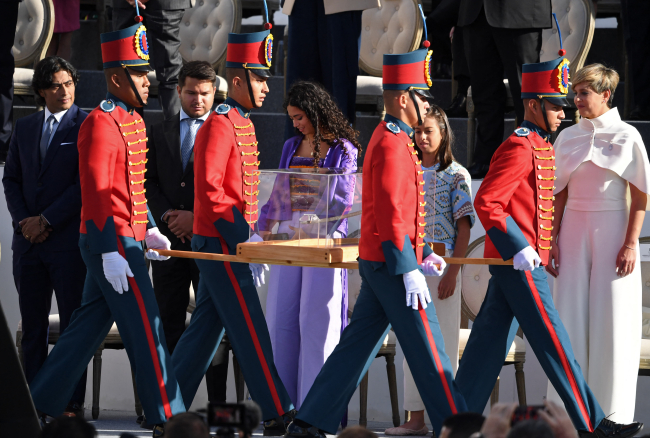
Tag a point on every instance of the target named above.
point(600, 311)
point(448, 313)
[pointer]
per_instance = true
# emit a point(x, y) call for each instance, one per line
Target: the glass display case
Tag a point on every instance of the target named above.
point(307, 215)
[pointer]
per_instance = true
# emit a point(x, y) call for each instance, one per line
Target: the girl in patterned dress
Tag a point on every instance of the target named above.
point(449, 218)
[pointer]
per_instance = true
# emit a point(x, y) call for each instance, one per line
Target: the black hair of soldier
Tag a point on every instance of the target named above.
point(199, 70)
point(329, 123)
point(44, 72)
point(464, 424)
point(187, 425)
point(531, 429)
point(68, 427)
point(445, 154)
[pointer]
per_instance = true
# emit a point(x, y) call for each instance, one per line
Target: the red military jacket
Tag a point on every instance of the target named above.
point(112, 157)
point(515, 201)
point(226, 175)
point(392, 223)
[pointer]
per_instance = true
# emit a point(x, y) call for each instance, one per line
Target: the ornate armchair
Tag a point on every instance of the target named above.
point(33, 34)
point(394, 27)
point(204, 37)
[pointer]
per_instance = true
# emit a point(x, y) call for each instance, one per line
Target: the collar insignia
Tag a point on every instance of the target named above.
point(223, 108)
point(522, 132)
point(107, 105)
point(392, 127)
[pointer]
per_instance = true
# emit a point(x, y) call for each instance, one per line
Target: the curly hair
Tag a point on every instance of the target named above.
point(330, 124)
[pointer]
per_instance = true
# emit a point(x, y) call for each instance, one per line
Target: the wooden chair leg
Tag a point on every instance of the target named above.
point(97, 380)
point(239, 379)
point(138, 404)
point(494, 397)
point(521, 383)
point(363, 401)
point(392, 387)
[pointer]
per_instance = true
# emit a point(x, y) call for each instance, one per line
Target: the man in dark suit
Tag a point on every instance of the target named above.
point(170, 191)
point(8, 20)
point(162, 19)
point(41, 183)
point(499, 36)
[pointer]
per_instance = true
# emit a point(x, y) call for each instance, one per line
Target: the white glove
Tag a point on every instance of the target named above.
point(429, 265)
point(116, 269)
point(154, 239)
point(257, 268)
point(416, 288)
point(526, 260)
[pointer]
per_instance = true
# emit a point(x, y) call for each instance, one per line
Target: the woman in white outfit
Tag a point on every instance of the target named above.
point(449, 217)
point(603, 178)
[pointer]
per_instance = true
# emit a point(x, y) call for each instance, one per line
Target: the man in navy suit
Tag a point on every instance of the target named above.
point(41, 183)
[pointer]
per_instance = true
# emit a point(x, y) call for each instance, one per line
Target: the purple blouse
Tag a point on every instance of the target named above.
point(341, 188)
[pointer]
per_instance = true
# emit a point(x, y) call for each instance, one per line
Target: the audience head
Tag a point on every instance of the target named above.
point(399, 104)
point(54, 83)
point(547, 116)
point(238, 87)
point(462, 425)
point(594, 87)
point(186, 425)
point(357, 432)
point(196, 88)
point(434, 137)
point(68, 427)
point(118, 85)
point(315, 115)
point(531, 429)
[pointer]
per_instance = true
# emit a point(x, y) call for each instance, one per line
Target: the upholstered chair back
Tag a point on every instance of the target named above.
point(394, 27)
point(577, 20)
point(205, 28)
point(33, 31)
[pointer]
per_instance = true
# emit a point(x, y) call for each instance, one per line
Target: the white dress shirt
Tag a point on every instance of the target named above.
point(57, 119)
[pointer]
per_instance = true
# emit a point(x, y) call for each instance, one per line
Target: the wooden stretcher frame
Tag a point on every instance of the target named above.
point(339, 253)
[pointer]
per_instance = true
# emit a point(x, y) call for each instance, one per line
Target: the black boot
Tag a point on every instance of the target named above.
point(609, 429)
point(458, 106)
point(278, 426)
point(303, 430)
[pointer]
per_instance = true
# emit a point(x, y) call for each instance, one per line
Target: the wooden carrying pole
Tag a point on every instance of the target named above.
point(345, 265)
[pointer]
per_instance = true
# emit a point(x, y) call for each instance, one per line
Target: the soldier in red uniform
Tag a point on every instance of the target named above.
point(515, 206)
point(226, 179)
point(114, 222)
point(391, 253)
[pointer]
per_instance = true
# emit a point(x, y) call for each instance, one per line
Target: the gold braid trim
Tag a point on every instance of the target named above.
point(250, 125)
point(256, 163)
point(544, 158)
point(139, 193)
point(141, 151)
point(140, 222)
point(132, 123)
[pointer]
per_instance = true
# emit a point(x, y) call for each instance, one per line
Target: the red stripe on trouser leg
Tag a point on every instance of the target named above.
point(150, 341)
point(436, 358)
point(253, 333)
point(560, 351)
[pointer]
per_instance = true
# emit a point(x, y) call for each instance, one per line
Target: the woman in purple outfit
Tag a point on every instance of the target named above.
point(306, 308)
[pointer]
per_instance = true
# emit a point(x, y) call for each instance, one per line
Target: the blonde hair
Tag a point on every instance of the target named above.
point(599, 78)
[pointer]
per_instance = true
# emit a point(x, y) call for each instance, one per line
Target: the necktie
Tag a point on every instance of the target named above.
point(45, 139)
point(188, 141)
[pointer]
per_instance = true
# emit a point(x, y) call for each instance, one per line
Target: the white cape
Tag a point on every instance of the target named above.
point(609, 143)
